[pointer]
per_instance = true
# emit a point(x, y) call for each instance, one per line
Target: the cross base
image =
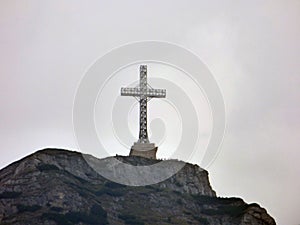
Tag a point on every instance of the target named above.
point(146, 150)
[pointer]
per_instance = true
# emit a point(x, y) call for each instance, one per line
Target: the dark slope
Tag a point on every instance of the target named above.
point(55, 186)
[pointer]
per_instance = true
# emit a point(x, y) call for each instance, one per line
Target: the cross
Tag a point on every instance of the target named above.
point(143, 93)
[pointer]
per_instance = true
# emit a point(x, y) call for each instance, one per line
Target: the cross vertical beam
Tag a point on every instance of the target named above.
point(143, 136)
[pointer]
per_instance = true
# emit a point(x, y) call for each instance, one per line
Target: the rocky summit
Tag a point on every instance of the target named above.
point(55, 186)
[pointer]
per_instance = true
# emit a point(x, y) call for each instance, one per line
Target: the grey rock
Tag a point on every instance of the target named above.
point(54, 186)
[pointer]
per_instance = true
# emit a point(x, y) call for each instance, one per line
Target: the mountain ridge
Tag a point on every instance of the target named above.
point(56, 186)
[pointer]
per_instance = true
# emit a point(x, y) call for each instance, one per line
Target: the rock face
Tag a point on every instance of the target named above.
point(58, 187)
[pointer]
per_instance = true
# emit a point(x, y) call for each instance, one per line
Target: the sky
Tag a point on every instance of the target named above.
point(251, 47)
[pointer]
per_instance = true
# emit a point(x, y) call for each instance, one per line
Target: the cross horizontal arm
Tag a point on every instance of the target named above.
point(156, 93)
point(130, 92)
point(151, 93)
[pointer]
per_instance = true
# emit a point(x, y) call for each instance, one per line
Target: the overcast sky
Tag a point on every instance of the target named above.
point(251, 47)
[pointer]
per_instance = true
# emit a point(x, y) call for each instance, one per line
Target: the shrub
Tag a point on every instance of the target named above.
point(153, 187)
point(100, 218)
point(96, 216)
point(178, 184)
point(10, 194)
point(179, 201)
point(187, 212)
point(203, 221)
point(98, 211)
point(203, 199)
point(113, 185)
point(233, 210)
point(110, 192)
point(230, 210)
point(46, 167)
point(130, 219)
point(60, 219)
point(56, 209)
point(28, 208)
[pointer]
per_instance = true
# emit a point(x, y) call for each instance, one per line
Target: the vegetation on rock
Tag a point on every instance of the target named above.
point(58, 187)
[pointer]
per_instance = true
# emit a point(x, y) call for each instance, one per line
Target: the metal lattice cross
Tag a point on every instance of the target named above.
point(143, 93)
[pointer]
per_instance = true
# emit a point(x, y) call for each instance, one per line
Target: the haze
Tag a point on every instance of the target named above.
point(251, 47)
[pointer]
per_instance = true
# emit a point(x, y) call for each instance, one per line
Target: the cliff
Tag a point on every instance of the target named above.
point(55, 186)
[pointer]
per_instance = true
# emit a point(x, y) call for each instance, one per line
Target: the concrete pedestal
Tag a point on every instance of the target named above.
point(147, 150)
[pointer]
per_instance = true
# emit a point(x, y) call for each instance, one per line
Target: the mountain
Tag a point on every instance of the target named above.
point(54, 186)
